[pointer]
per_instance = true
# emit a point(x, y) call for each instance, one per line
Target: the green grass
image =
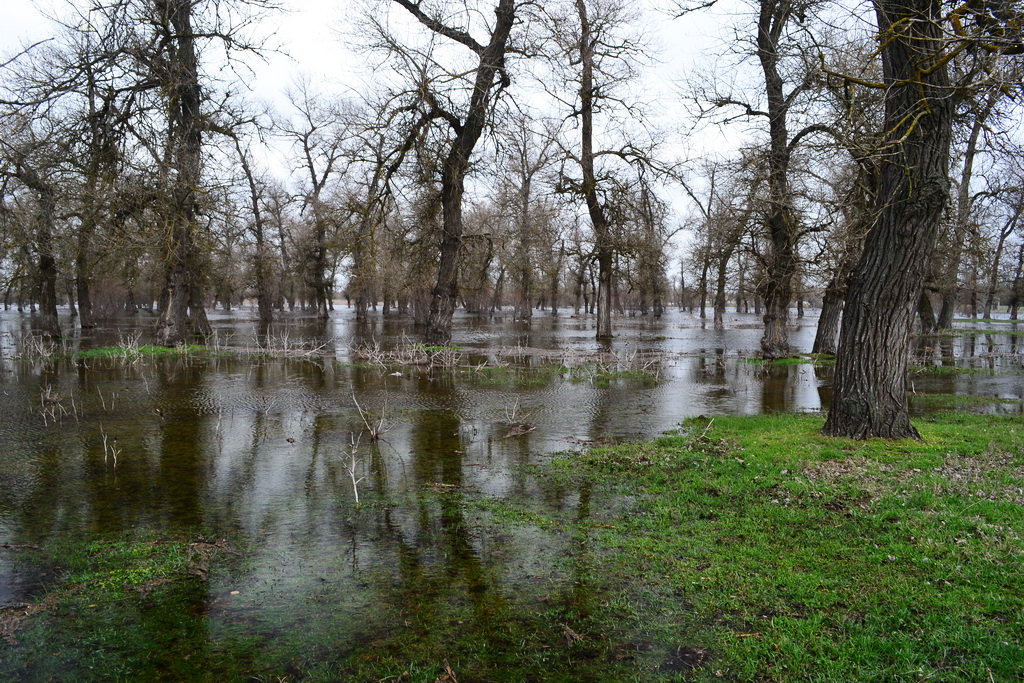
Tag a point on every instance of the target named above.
point(967, 331)
point(800, 557)
point(952, 370)
point(435, 348)
point(147, 351)
point(738, 548)
point(602, 374)
point(984, 320)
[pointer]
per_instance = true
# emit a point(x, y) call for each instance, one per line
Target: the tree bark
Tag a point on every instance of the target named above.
point(828, 322)
point(926, 313)
point(870, 393)
point(182, 286)
point(783, 259)
point(491, 65)
point(598, 219)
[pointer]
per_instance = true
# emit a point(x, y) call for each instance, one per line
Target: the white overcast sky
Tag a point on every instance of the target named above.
point(312, 33)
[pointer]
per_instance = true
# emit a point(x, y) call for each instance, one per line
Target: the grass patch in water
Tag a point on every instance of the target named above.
point(956, 370)
point(967, 331)
point(932, 403)
point(434, 348)
point(147, 351)
point(602, 374)
point(985, 320)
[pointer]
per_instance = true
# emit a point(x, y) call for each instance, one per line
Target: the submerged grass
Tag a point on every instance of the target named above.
point(739, 548)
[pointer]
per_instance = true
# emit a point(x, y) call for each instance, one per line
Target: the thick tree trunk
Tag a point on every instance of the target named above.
point(870, 393)
point(524, 303)
point(321, 285)
point(446, 291)
point(828, 322)
point(48, 323)
point(782, 260)
point(182, 286)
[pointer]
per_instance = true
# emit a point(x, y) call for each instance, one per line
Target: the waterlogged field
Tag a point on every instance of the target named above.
point(339, 503)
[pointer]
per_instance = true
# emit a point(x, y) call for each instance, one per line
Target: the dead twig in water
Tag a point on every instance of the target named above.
point(352, 466)
point(375, 428)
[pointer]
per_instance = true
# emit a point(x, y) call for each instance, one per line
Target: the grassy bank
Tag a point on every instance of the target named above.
point(798, 556)
point(746, 548)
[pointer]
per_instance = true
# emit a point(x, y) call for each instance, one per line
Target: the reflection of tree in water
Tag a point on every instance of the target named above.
point(775, 387)
point(178, 482)
point(823, 375)
point(440, 571)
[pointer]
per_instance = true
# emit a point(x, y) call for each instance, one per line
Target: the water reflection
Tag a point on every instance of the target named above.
point(255, 449)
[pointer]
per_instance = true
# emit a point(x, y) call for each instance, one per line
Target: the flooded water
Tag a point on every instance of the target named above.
point(263, 448)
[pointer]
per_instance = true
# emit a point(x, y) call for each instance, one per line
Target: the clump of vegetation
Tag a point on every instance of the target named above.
point(135, 353)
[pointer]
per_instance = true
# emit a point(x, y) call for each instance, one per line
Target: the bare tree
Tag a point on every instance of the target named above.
point(462, 112)
point(598, 52)
point(319, 132)
point(28, 160)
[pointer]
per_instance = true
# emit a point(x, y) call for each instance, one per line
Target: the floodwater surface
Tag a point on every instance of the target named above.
point(268, 442)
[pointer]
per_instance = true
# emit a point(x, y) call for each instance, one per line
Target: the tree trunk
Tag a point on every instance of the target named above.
point(499, 287)
point(723, 264)
point(556, 271)
point(491, 64)
point(261, 260)
point(602, 229)
point(870, 393)
point(828, 321)
point(182, 287)
point(926, 313)
point(524, 307)
point(702, 286)
point(951, 276)
point(782, 260)
point(1017, 289)
point(46, 272)
point(993, 280)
